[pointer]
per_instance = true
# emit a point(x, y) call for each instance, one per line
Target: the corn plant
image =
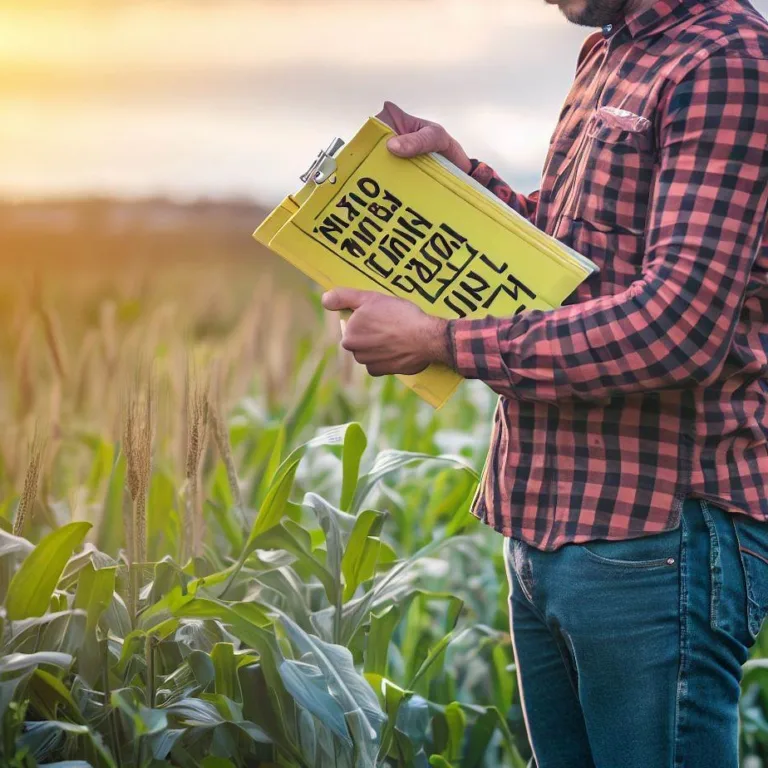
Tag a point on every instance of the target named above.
point(294, 635)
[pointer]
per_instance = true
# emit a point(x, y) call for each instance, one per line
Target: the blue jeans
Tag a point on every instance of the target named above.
point(629, 653)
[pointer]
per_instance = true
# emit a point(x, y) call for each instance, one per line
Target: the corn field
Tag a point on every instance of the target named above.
point(221, 545)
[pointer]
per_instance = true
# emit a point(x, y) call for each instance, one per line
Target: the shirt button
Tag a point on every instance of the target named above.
point(607, 29)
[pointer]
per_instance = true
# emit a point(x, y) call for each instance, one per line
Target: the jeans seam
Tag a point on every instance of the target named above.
point(568, 643)
point(682, 681)
point(715, 565)
point(662, 562)
point(754, 554)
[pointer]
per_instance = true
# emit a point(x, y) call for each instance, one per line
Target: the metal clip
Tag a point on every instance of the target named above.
point(324, 165)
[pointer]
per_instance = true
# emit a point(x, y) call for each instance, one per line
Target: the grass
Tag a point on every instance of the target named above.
point(221, 545)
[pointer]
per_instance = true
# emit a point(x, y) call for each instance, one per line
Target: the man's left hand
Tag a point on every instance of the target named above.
point(389, 335)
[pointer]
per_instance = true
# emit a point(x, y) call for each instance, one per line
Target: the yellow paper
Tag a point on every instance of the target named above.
point(420, 229)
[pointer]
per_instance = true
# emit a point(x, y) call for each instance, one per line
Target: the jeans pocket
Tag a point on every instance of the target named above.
point(518, 566)
point(752, 537)
point(658, 550)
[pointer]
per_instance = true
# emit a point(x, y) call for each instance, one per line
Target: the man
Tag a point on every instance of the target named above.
point(628, 469)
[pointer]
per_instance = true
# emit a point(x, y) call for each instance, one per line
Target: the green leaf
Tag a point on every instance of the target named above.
point(202, 668)
point(275, 501)
point(301, 414)
point(162, 743)
point(61, 631)
point(94, 592)
point(437, 761)
point(8, 687)
point(277, 498)
point(388, 587)
point(462, 518)
point(503, 682)
point(411, 730)
point(30, 591)
point(48, 692)
point(101, 467)
point(39, 737)
point(14, 662)
point(109, 537)
point(229, 517)
point(435, 655)
point(270, 707)
point(379, 638)
point(329, 518)
point(280, 538)
point(457, 723)
point(265, 461)
point(116, 616)
point(393, 697)
point(355, 444)
point(195, 712)
point(216, 762)
point(10, 544)
point(362, 551)
point(225, 667)
point(274, 504)
point(247, 621)
point(162, 516)
point(335, 662)
point(479, 737)
point(307, 684)
point(390, 461)
point(488, 715)
point(198, 713)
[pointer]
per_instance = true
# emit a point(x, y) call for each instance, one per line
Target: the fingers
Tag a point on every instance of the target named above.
point(374, 364)
point(430, 138)
point(343, 298)
point(377, 370)
point(415, 136)
point(397, 119)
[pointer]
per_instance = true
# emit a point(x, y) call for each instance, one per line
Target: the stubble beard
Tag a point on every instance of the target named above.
point(598, 13)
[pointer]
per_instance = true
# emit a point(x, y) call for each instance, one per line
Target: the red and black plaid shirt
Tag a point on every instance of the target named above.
point(650, 384)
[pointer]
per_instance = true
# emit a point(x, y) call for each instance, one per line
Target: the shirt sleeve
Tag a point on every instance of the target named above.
point(525, 205)
point(673, 327)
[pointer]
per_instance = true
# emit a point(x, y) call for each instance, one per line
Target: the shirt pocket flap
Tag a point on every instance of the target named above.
point(610, 125)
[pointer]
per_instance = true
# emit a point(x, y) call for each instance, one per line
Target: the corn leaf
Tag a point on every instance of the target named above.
point(225, 670)
point(94, 593)
point(390, 461)
point(349, 688)
point(355, 444)
point(362, 551)
point(307, 684)
point(30, 591)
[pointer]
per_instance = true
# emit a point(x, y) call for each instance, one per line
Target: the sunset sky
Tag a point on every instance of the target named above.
point(235, 98)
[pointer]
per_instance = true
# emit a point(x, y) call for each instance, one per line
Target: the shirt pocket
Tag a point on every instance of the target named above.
point(613, 190)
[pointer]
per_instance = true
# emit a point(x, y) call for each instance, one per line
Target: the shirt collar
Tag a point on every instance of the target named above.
point(662, 15)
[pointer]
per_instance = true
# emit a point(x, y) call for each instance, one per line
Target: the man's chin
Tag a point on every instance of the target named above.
point(573, 10)
point(580, 12)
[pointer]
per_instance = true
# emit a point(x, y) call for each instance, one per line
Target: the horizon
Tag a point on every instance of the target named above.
point(193, 99)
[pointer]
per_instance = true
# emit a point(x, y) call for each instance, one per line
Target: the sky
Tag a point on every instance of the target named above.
point(189, 98)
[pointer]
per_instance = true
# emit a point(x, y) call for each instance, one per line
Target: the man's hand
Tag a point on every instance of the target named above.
point(420, 137)
point(389, 335)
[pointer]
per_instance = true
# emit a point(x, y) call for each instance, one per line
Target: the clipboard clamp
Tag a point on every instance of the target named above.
point(324, 165)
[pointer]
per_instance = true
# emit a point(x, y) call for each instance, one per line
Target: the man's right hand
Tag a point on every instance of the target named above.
point(420, 137)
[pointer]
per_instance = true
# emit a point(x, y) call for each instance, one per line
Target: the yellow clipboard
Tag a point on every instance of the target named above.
point(422, 230)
